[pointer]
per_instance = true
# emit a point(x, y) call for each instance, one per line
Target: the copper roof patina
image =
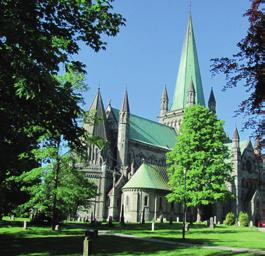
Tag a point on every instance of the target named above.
point(150, 132)
point(148, 177)
point(188, 71)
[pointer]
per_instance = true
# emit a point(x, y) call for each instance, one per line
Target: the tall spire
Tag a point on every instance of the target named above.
point(163, 104)
point(164, 94)
point(188, 70)
point(236, 138)
point(123, 133)
point(125, 103)
point(212, 102)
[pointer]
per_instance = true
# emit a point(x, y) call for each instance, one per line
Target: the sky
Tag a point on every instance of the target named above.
point(145, 55)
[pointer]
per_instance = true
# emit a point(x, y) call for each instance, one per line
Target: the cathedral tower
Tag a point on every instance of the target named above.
point(188, 90)
point(236, 165)
point(97, 129)
point(97, 158)
point(123, 133)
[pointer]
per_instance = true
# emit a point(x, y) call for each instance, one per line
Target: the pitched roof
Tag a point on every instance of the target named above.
point(148, 176)
point(189, 70)
point(150, 132)
point(98, 128)
point(242, 145)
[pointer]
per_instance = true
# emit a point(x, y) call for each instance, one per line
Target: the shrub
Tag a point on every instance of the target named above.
point(243, 219)
point(229, 219)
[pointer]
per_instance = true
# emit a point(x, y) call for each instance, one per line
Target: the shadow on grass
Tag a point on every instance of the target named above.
point(72, 245)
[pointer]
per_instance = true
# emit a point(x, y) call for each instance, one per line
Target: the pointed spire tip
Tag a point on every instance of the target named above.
point(125, 103)
point(236, 134)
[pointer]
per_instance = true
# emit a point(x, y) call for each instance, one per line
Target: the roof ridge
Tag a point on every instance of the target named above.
point(150, 120)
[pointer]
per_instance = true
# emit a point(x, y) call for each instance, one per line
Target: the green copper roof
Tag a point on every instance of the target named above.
point(150, 132)
point(148, 176)
point(188, 70)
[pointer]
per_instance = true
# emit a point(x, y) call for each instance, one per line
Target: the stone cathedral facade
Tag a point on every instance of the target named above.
point(130, 171)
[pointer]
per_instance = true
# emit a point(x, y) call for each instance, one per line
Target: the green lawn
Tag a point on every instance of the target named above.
point(233, 236)
point(69, 241)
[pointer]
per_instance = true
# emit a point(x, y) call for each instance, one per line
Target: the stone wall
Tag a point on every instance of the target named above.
point(152, 203)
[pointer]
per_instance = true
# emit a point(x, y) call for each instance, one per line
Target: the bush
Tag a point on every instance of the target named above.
point(229, 219)
point(243, 219)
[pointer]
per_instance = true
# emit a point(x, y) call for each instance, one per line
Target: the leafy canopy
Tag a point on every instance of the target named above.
point(200, 151)
point(56, 188)
point(38, 39)
point(247, 68)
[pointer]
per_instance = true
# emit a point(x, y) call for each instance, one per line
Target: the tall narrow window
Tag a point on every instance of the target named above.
point(146, 201)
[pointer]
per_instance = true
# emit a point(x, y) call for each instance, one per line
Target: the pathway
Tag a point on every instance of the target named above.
point(155, 240)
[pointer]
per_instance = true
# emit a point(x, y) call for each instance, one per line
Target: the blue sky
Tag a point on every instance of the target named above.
point(146, 53)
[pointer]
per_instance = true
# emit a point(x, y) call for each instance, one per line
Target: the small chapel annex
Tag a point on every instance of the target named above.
point(130, 171)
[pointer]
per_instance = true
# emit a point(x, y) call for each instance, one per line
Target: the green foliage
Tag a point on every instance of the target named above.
point(37, 41)
point(243, 219)
point(200, 151)
point(56, 188)
point(246, 67)
point(229, 219)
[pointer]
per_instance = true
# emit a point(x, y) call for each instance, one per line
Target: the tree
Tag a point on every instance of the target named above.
point(197, 169)
point(247, 68)
point(57, 189)
point(37, 38)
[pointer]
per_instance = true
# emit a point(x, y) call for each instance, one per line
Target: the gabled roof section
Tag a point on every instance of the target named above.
point(242, 145)
point(150, 132)
point(189, 70)
point(245, 144)
point(98, 128)
point(148, 177)
point(111, 118)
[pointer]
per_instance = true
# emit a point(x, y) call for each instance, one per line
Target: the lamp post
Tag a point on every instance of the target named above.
point(184, 205)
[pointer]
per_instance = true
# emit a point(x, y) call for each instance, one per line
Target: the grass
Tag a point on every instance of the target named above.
point(233, 236)
point(69, 241)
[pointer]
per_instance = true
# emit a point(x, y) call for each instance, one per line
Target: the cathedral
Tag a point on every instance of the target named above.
point(130, 170)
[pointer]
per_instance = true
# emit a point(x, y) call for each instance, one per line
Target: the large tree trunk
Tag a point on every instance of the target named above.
point(199, 213)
